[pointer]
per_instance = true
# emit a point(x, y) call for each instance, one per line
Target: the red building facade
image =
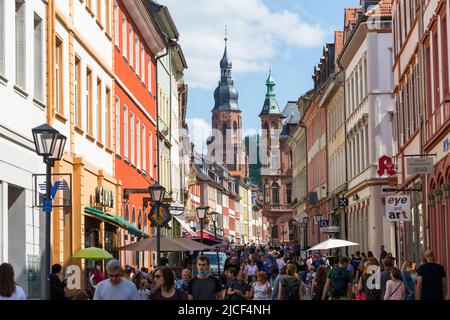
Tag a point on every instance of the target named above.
point(136, 44)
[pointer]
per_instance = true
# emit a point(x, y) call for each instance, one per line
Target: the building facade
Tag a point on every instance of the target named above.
point(367, 60)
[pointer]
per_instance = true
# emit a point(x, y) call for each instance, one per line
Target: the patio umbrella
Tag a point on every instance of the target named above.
point(93, 253)
point(167, 244)
point(333, 243)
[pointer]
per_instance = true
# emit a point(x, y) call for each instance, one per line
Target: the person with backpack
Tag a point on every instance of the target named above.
point(339, 282)
point(365, 291)
point(318, 284)
point(290, 288)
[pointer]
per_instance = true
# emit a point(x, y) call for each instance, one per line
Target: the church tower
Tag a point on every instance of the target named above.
point(227, 122)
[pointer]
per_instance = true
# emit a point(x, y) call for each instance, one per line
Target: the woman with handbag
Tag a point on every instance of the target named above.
point(395, 288)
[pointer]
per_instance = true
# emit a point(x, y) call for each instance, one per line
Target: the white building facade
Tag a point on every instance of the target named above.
point(367, 60)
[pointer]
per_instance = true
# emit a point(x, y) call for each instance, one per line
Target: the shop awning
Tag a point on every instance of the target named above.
point(117, 221)
point(206, 236)
point(185, 226)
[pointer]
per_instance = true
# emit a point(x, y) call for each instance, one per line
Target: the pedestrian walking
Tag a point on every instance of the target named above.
point(9, 290)
point(116, 288)
point(143, 290)
point(395, 287)
point(339, 282)
point(383, 254)
point(318, 284)
point(57, 283)
point(276, 285)
point(97, 276)
point(239, 289)
point(407, 278)
point(290, 288)
point(164, 279)
point(204, 286)
point(261, 289)
point(388, 263)
point(251, 269)
point(280, 262)
point(184, 281)
point(365, 289)
point(431, 279)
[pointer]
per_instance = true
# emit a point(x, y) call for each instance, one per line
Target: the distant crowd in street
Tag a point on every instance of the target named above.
point(256, 273)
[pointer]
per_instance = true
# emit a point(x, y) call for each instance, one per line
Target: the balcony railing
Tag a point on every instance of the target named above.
point(438, 119)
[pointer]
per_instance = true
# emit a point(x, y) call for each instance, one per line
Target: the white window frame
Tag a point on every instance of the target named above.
point(117, 125)
point(136, 53)
point(132, 138)
point(116, 23)
point(130, 42)
point(125, 131)
point(38, 33)
point(144, 149)
point(138, 143)
point(150, 149)
point(149, 74)
point(124, 35)
point(20, 44)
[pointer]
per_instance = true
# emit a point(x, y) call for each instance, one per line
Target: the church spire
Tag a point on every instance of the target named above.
point(270, 103)
point(226, 95)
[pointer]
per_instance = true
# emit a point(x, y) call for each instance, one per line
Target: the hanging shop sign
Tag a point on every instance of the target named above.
point(398, 208)
point(386, 166)
point(419, 165)
point(159, 216)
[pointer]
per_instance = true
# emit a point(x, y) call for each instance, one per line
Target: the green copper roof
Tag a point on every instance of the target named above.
point(270, 104)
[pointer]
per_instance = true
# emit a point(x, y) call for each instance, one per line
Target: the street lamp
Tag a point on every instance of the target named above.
point(318, 218)
point(157, 193)
point(201, 213)
point(306, 221)
point(49, 144)
point(214, 216)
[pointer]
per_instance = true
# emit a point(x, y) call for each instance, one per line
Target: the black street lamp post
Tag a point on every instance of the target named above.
point(49, 144)
point(202, 211)
point(305, 235)
point(157, 193)
point(214, 215)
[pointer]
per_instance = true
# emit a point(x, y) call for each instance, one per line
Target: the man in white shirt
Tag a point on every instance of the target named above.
point(280, 262)
point(115, 288)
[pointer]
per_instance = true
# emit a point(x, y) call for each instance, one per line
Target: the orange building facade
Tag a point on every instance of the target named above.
point(137, 43)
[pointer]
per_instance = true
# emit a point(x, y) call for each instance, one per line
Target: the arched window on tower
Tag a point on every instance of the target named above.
point(133, 215)
point(224, 142)
point(127, 212)
point(266, 193)
point(275, 193)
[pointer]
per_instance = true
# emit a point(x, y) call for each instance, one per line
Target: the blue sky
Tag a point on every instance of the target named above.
point(285, 35)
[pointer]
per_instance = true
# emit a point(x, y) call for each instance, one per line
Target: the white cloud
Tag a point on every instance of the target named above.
point(199, 132)
point(255, 36)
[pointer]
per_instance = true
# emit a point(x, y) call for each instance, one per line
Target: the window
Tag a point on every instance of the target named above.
point(2, 37)
point(20, 44)
point(77, 91)
point(38, 63)
point(124, 35)
point(150, 154)
point(89, 100)
point(138, 143)
point(116, 23)
point(436, 71)
point(133, 215)
point(59, 93)
point(125, 132)
point(127, 212)
point(107, 17)
point(136, 52)
point(99, 11)
point(117, 125)
point(144, 149)
point(107, 120)
point(132, 140)
point(130, 49)
point(142, 70)
point(149, 74)
point(275, 193)
point(99, 110)
point(444, 55)
point(266, 193)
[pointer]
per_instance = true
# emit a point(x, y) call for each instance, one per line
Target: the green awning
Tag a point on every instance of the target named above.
point(118, 221)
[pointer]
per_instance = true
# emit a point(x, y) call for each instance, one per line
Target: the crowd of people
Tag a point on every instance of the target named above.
point(257, 273)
